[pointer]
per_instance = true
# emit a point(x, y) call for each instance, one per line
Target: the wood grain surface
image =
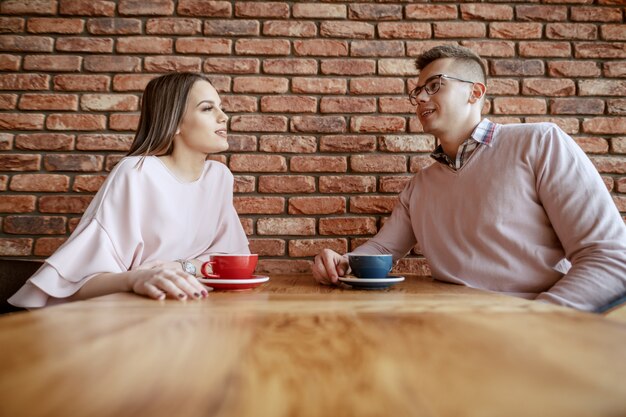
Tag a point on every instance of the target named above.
point(293, 348)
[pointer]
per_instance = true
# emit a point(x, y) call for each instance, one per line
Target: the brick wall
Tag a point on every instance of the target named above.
point(322, 134)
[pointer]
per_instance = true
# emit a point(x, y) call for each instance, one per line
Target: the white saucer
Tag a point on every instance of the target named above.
point(372, 283)
point(234, 284)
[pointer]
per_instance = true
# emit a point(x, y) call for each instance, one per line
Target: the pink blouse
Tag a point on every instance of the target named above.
point(141, 213)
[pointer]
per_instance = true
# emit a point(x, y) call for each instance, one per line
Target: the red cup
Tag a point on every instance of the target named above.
point(231, 266)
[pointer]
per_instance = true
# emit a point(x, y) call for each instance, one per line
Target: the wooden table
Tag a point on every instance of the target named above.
point(293, 348)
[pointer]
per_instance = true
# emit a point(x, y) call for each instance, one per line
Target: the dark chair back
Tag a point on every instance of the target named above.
point(13, 274)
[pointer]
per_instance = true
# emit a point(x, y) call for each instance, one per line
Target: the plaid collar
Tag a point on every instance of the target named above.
point(482, 135)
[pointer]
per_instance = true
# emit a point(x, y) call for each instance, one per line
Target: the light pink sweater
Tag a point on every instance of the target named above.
point(513, 219)
point(141, 213)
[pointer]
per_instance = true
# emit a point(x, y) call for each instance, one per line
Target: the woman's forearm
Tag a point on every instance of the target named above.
point(103, 284)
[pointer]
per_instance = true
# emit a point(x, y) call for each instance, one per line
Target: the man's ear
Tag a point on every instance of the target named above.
point(478, 92)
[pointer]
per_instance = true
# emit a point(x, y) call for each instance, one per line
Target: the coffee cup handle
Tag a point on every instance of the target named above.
point(205, 272)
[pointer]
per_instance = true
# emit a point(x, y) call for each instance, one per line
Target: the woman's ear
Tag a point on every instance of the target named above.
point(478, 92)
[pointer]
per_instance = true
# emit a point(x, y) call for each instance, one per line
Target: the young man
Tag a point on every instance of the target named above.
point(518, 209)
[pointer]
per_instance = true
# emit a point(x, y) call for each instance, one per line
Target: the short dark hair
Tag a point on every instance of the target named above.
point(466, 57)
point(162, 107)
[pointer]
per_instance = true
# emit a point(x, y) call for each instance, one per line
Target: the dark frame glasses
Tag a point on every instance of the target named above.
point(431, 86)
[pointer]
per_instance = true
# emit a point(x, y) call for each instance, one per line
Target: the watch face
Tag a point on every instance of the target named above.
point(190, 268)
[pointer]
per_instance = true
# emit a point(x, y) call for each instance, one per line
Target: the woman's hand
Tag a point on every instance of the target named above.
point(158, 279)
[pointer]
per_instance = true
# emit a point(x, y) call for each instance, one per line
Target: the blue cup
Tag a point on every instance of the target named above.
point(370, 266)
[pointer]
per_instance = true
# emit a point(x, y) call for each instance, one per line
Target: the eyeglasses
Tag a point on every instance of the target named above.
point(431, 86)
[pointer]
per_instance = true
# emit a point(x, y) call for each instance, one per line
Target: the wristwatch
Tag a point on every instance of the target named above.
point(188, 267)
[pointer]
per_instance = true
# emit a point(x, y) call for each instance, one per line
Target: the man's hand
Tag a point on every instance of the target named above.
point(329, 266)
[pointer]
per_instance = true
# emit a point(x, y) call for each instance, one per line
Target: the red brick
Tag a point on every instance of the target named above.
point(206, 46)
point(40, 182)
point(618, 145)
point(547, 49)
point(220, 82)
point(395, 105)
point(377, 48)
point(576, 106)
point(284, 266)
point(600, 50)
point(348, 66)
point(123, 121)
point(288, 104)
point(613, 32)
point(286, 226)
point(40, 7)
point(239, 104)
point(64, 204)
point(605, 125)
point(517, 67)
point(621, 185)
point(9, 62)
point(515, 30)
point(548, 87)
point(231, 27)
point(320, 47)
point(378, 163)
point(596, 14)
point(8, 101)
point(319, 11)
point(541, 13)
point(573, 69)
point(403, 67)
point(242, 143)
point(20, 162)
point(258, 123)
point(87, 7)
point(153, 7)
point(347, 105)
point(88, 183)
point(82, 82)
point(204, 8)
point(419, 162)
point(172, 63)
point(34, 225)
point(317, 205)
point(131, 82)
point(112, 63)
point(311, 247)
point(394, 184)
point(290, 29)
point(4, 179)
point(46, 246)
point(55, 25)
point(571, 31)
point(415, 125)
point(416, 48)
point(15, 43)
point(288, 144)
point(383, 124)
point(345, 184)
point(290, 66)
point(286, 184)
point(404, 30)
point(616, 106)
point(609, 165)
point(114, 26)
point(174, 26)
point(569, 125)
point(76, 122)
point(76, 44)
point(109, 102)
point(602, 87)
point(15, 247)
point(48, 102)
point(377, 86)
point(104, 142)
point(262, 9)
point(372, 204)
point(592, 144)
point(11, 24)
point(73, 162)
point(318, 164)
point(259, 205)
point(59, 63)
point(491, 48)
point(487, 12)
point(459, 30)
point(24, 82)
point(341, 226)
point(21, 121)
point(344, 29)
point(144, 45)
point(17, 203)
point(348, 143)
point(431, 12)
point(519, 105)
point(407, 144)
point(375, 12)
point(257, 163)
point(260, 85)
point(614, 69)
point(232, 65)
point(267, 247)
point(416, 266)
point(318, 85)
point(318, 124)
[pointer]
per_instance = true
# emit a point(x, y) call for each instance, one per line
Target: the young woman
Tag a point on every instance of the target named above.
point(160, 213)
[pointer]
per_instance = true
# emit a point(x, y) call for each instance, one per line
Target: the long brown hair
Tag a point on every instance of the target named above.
point(162, 108)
